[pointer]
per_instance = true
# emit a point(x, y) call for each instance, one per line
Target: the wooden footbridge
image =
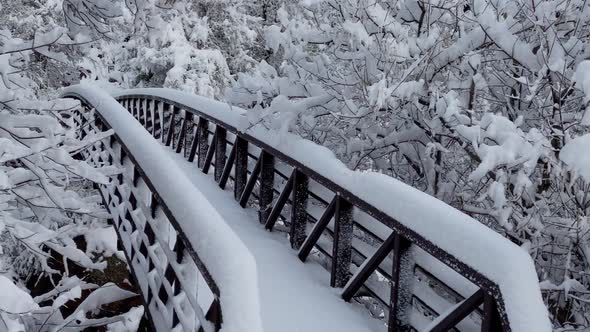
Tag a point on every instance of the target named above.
point(392, 257)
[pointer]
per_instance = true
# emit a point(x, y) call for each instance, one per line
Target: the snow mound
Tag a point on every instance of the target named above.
point(14, 299)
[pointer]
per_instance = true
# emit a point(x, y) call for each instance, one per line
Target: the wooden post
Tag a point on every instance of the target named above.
point(241, 166)
point(396, 312)
point(299, 210)
point(491, 320)
point(342, 248)
point(266, 189)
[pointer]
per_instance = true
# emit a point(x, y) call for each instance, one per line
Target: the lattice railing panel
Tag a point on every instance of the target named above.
point(176, 288)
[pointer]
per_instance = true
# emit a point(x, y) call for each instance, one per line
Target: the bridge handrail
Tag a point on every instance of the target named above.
point(481, 255)
point(225, 257)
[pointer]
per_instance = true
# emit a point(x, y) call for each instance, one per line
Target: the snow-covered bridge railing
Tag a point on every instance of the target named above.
point(411, 259)
point(187, 263)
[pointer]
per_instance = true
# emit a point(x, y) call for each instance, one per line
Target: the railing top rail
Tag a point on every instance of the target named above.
point(226, 258)
point(477, 252)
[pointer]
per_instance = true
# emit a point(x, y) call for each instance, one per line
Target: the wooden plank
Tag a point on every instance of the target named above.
point(317, 230)
point(180, 141)
point(461, 311)
point(209, 157)
point(368, 268)
point(171, 123)
point(276, 210)
point(251, 183)
point(227, 168)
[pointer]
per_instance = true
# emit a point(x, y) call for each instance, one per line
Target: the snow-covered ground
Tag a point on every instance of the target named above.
point(294, 297)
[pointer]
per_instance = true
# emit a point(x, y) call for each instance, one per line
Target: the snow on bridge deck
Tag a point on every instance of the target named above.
point(294, 297)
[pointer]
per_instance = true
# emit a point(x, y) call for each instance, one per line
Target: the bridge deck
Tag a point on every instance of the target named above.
point(294, 296)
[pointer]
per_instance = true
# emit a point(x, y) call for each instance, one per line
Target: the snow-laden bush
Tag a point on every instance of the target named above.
point(482, 104)
point(46, 195)
point(193, 46)
point(470, 101)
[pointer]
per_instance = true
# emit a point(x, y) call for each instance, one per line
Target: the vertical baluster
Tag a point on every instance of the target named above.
point(149, 124)
point(157, 123)
point(241, 166)
point(220, 146)
point(189, 133)
point(266, 190)
point(147, 114)
point(141, 108)
point(160, 119)
point(342, 248)
point(171, 125)
point(299, 210)
point(182, 132)
point(399, 294)
point(135, 111)
point(166, 113)
point(203, 135)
